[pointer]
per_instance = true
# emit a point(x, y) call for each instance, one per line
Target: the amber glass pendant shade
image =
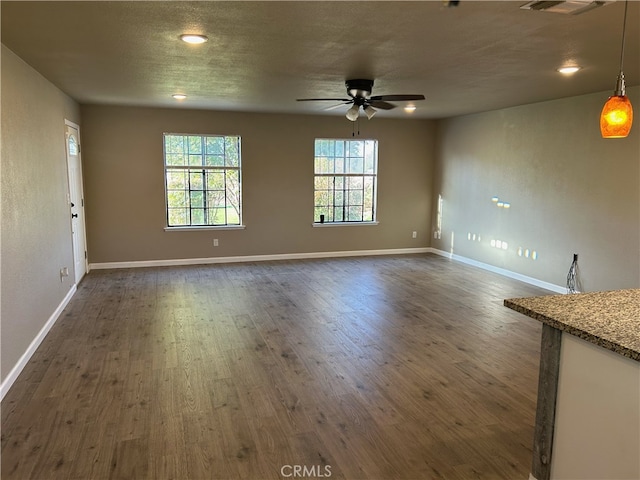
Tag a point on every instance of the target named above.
point(617, 114)
point(616, 117)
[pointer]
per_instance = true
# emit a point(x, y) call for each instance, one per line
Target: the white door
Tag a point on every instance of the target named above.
point(76, 200)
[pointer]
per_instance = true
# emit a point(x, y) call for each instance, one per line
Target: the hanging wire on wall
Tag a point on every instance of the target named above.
point(572, 276)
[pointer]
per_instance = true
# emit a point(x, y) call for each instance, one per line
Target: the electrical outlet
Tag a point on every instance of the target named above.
point(64, 272)
point(215, 242)
point(414, 235)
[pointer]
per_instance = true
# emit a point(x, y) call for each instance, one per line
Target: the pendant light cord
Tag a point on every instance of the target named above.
point(624, 28)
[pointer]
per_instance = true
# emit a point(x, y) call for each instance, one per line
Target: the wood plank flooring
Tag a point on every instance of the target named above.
point(402, 367)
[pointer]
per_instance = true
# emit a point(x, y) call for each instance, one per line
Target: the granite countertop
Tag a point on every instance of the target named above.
point(609, 319)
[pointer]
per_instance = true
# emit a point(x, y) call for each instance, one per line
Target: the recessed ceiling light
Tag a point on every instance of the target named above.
point(410, 108)
point(179, 96)
point(193, 38)
point(568, 70)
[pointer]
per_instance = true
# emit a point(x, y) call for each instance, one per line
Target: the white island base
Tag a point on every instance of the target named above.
point(588, 409)
point(597, 417)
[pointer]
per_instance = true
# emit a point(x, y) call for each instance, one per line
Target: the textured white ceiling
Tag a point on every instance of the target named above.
point(261, 56)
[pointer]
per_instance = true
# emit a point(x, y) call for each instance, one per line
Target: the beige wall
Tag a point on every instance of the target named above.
point(125, 204)
point(570, 191)
point(35, 222)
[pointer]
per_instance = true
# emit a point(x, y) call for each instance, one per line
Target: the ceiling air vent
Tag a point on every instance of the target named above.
point(568, 7)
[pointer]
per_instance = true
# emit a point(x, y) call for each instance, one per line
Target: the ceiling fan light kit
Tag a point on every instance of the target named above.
point(369, 111)
point(353, 112)
point(359, 92)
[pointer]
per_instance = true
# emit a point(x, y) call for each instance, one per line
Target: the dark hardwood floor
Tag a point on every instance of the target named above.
point(404, 367)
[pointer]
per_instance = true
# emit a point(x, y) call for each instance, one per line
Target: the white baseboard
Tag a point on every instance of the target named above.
point(351, 253)
point(256, 258)
point(35, 343)
point(502, 271)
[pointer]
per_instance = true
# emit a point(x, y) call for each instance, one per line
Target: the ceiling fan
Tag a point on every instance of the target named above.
point(359, 91)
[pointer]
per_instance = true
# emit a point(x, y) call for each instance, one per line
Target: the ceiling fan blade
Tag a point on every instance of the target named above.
point(333, 107)
point(324, 99)
point(381, 105)
point(397, 98)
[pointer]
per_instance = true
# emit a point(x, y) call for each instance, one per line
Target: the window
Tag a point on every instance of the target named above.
point(203, 180)
point(73, 145)
point(345, 180)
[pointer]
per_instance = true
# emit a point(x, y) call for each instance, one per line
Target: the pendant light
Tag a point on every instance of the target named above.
point(617, 114)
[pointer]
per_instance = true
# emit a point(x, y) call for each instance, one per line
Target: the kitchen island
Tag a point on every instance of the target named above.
point(588, 410)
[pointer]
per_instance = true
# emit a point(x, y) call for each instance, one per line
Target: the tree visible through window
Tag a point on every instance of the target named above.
point(345, 180)
point(203, 180)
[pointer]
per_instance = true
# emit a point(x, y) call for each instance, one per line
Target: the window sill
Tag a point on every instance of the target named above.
point(344, 224)
point(194, 228)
